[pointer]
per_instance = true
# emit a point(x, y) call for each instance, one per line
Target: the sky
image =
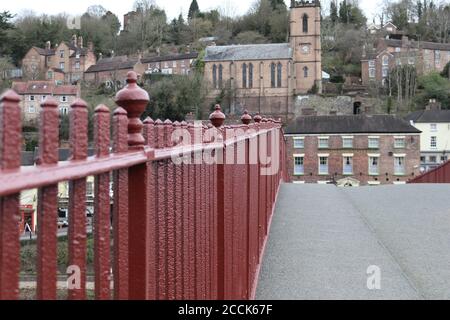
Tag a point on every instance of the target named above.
point(172, 7)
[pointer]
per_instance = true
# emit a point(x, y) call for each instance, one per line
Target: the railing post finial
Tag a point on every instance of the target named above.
point(246, 118)
point(257, 118)
point(134, 100)
point(217, 118)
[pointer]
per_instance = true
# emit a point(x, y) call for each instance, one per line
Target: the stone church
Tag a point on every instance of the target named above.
point(266, 78)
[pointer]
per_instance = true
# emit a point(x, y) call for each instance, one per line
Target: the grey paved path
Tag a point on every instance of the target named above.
point(324, 238)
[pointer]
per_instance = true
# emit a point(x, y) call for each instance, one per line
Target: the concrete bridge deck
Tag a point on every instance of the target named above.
point(324, 238)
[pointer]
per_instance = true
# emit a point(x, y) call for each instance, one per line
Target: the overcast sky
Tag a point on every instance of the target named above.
point(172, 7)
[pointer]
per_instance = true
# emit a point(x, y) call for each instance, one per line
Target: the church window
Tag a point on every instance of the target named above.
point(244, 75)
point(220, 75)
point(214, 73)
point(305, 23)
point(250, 75)
point(279, 74)
point(272, 75)
point(305, 72)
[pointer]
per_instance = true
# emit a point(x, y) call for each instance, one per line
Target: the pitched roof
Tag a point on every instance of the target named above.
point(110, 64)
point(424, 116)
point(192, 55)
point(416, 44)
point(249, 52)
point(350, 124)
point(45, 52)
point(43, 87)
point(80, 51)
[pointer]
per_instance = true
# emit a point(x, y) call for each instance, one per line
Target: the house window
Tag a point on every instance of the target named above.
point(183, 64)
point(31, 109)
point(77, 56)
point(433, 127)
point(62, 65)
point(174, 64)
point(272, 75)
point(398, 49)
point(299, 143)
point(305, 72)
point(279, 74)
point(399, 165)
point(77, 65)
point(437, 58)
point(31, 98)
point(61, 53)
point(385, 60)
point(385, 72)
point(372, 63)
point(371, 72)
point(373, 166)
point(64, 99)
point(50, 75)
point(347, 142)
point(399, 142)
point(323, 143)
point(305, 23)
point(433, 142)
point(250, 75)
point(348, 165)
point(444, 158)
point(166, 65)
point(214, 75)
point(410, 60)
point(89, 189)
point(374, 143)
point(432, 159)
point(299, 168)
point(323, 165)
point(422, 159)
point(63, 110)
point(244, 75)
point(43, 98)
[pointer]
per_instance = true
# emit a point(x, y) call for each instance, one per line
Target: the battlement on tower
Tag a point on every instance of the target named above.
point(305, 3)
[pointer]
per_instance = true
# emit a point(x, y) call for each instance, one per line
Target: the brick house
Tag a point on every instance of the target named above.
point(372, 149)
point(113, 71)
point(426, 56)
point(70, 59)
point(33, 93)
point(178, 64)
point(265, 78)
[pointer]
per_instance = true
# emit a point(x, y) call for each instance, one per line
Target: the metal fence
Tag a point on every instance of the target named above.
point(189, 230)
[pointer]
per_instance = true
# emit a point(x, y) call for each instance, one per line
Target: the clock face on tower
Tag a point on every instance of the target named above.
point(305, 48)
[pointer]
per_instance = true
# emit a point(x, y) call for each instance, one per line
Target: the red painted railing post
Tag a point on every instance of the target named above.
point(120, 209)
point(134, 100)
point(102, 221)
point(10, 145)
point(47, 203)
point(77, 201)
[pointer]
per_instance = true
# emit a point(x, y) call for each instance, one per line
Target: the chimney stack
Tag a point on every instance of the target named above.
point(48, 45)
point(80, 42)
point(74, 40)
point(433, 105)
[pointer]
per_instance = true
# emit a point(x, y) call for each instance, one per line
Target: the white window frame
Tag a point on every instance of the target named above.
point(385, 72)
point(77, 65)
point(433, 142)
point(345, 165)
point(385, 60)
point(372, 63)
point(402, 145)
point(296, 166)
point(61, 53)
point(374, 156)
point(62, 66)
point(31, 109)
point(433, 127)
point(320, 139)
point(32, 98)
point(373, 146)
point(402, 170)
point(297, 140)
point(321, 166)
point(347, 146)
point(372, 73)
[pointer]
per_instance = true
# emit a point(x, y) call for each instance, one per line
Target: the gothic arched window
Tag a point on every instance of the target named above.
point(272, 75)
point(279, 74)
point(214, 76)
point(220, 75)
point(250, 75)
point(244, 75)
point(305, 23)
point(305, 72)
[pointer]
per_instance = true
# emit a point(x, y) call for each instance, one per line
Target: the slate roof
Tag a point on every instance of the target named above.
point(423, 44)
point(110, 64)
point(192, 55)
point(249, 52)
point(80, 51)
point(350, 124)
point(43, 87)
point(424, 116)
point(45, 52)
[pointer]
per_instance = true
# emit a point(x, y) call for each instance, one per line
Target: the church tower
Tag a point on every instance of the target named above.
point(304, 39)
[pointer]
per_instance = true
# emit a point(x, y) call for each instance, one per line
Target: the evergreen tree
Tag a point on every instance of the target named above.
point(333, 12)
point(193, 9)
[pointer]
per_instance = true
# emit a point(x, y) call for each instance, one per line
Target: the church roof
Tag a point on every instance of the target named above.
point(270, 51)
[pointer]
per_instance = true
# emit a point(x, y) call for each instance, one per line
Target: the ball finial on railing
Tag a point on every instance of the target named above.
point(134, 100)
point(217, 118)
point(257, 118)
point(246, 118)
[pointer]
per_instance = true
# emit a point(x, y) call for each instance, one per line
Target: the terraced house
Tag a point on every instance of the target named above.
point(357, 150)
point(265, 78)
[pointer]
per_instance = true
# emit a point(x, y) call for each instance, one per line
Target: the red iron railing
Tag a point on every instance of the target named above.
point(440, 174)
point(190, 230)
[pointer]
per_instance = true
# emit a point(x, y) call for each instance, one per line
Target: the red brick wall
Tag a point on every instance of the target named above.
point(360, 153)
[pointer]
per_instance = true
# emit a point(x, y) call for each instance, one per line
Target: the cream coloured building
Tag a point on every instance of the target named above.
point(265, 78)
point(435, 136)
